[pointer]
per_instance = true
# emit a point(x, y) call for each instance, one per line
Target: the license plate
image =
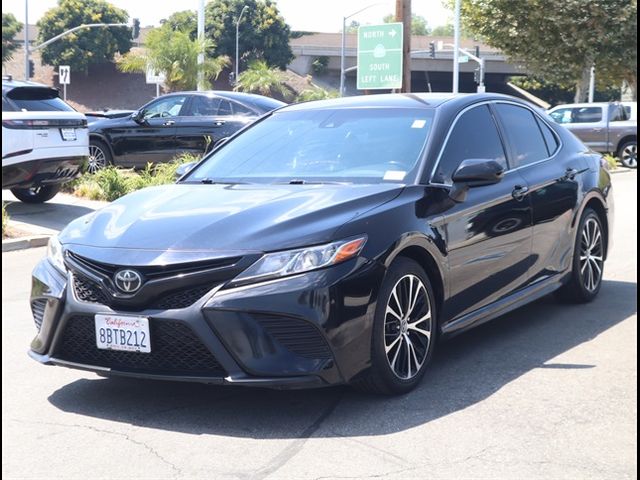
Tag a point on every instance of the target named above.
point(68, 134)
point(119, 332)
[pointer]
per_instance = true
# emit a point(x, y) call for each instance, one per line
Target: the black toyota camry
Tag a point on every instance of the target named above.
point(330, 242)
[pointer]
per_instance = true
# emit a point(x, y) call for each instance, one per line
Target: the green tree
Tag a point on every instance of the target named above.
point(418, 24)
point(86, 46)
point(353, 27)
point(316, 93)
point(10, 27)
point(174, 54)
point(560, 41)
point(264, 35)
point(448, 31)
point(260, 78)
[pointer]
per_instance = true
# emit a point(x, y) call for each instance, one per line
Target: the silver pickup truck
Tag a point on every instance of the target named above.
point(603, 127)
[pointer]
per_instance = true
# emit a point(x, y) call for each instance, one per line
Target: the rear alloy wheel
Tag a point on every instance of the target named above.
point(628, 154)
point(404, 331)
point(99, 156)
point(36, 194)
point(588, 260)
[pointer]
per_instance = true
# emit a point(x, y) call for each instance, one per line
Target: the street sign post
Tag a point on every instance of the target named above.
point(64, 78)
point(380, 56)
point(156, 77)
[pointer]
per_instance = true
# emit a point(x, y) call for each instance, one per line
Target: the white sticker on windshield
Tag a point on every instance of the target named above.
point(418, 124)
point(394, 175)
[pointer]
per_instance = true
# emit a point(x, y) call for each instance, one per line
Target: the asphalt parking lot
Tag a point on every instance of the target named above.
point(548, 391)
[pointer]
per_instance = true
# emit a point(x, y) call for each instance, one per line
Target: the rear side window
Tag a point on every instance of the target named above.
point(225, 108)
point(524, 134)
point(474, 136)
point(36, 99)
point(205, 106)
point(549, 137)
point(239, 109)
point(6, 106)
point(587, 115)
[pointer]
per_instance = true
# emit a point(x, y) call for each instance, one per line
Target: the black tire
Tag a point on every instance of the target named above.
point(382, 377)
point(37, 194)
point(628, 154)
point(99, 156)
point(579, 289)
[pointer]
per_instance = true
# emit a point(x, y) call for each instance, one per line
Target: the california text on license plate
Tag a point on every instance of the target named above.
point(120, 332)
point(68, 134)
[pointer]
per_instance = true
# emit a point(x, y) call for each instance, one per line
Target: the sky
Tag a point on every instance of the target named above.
point(313, 15)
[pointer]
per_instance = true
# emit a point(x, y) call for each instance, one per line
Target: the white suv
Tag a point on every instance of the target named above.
point(45, 142)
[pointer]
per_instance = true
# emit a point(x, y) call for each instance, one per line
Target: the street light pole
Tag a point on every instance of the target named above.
point(342, 53)
point(26, 40)
point(456, 46)
point(201, 41)
point(592, 83)
point(235, 78)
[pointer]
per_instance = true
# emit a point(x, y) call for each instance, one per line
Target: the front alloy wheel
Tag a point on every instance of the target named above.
point(97, 159)
point(407, 327)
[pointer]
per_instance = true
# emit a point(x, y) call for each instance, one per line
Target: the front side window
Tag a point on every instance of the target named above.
point(524, 134)
point(562, 115)
point(474, 136)
point(166, 107)
point(369, 145)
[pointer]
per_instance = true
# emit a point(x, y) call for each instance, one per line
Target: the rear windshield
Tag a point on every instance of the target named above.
point(36, 99)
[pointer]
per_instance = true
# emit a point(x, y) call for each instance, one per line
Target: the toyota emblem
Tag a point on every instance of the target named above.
point(128, 281)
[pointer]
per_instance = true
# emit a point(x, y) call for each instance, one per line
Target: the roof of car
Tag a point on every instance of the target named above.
point(398, 100)
point(10, 84)
point(583, 105)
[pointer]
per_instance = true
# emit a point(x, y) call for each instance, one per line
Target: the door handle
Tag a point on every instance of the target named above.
point(519, 192)
point(570, 174)
point(218, 123)
point(168, 123)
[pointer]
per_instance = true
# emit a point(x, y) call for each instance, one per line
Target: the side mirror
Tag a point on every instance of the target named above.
point(138, 116)
point(474, 172)
point(184, 169)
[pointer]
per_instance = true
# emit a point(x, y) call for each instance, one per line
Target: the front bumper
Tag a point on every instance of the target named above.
point(305, 331)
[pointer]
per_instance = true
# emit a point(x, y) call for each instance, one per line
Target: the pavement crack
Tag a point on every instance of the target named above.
point(296, 446)
point(177, 471)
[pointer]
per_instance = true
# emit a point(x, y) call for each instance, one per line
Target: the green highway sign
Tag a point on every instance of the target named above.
point(463, 59)
point(380, 56)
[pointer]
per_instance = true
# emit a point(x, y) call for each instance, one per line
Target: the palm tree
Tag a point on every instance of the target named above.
point(174, 54)
point(262, 79)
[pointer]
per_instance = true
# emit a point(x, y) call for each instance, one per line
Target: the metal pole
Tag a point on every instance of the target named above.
point(64, 89)
point(592, 84)
point(201, 40)
point(26, 40)
point(238, 42)
point(481, 86)
point(403, 14)
point(456, 47)
point(342, 53)
point(157, 90)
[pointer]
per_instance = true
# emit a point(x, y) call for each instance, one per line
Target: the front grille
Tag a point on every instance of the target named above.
point(175, 350)
point(182, 298)
point(88, 291)
point(298, 336)
point(37, 308)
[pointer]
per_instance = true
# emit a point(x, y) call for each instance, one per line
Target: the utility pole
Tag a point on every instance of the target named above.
point(201, 41)
point(592, 83)
point(26, 40)
point(403, 14)
point(456, 47)
point(237, 65)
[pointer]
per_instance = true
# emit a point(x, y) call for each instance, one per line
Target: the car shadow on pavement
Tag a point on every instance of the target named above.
point(49, 215)
point(466, 370)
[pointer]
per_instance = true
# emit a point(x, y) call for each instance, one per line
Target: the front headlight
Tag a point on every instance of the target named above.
point(292, 262)
point(54, 253)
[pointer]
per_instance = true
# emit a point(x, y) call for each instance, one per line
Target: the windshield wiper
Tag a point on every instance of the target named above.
point(299, 181)
point(211, 181)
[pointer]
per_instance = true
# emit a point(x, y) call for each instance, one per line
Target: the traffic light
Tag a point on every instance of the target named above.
point(476, 75)
point(135, 28)
point(432, 50)
point(32, 69)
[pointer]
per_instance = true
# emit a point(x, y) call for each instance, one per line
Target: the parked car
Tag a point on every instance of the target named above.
point(330, 242)
point(182, 122)
point(45, 142)
point(604, 127)
point(631, 108)
point(94, 116)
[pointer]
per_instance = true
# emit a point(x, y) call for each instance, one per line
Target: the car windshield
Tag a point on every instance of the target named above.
point(358, 145)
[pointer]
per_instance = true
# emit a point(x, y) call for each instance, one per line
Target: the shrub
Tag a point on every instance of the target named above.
point(5, 220)
point(611, 160)
point(316, 93)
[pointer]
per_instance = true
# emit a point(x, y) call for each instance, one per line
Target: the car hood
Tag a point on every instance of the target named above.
point(224, 219)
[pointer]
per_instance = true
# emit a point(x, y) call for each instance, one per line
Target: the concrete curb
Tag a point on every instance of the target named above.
point(23, 243)
point(622, 170)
